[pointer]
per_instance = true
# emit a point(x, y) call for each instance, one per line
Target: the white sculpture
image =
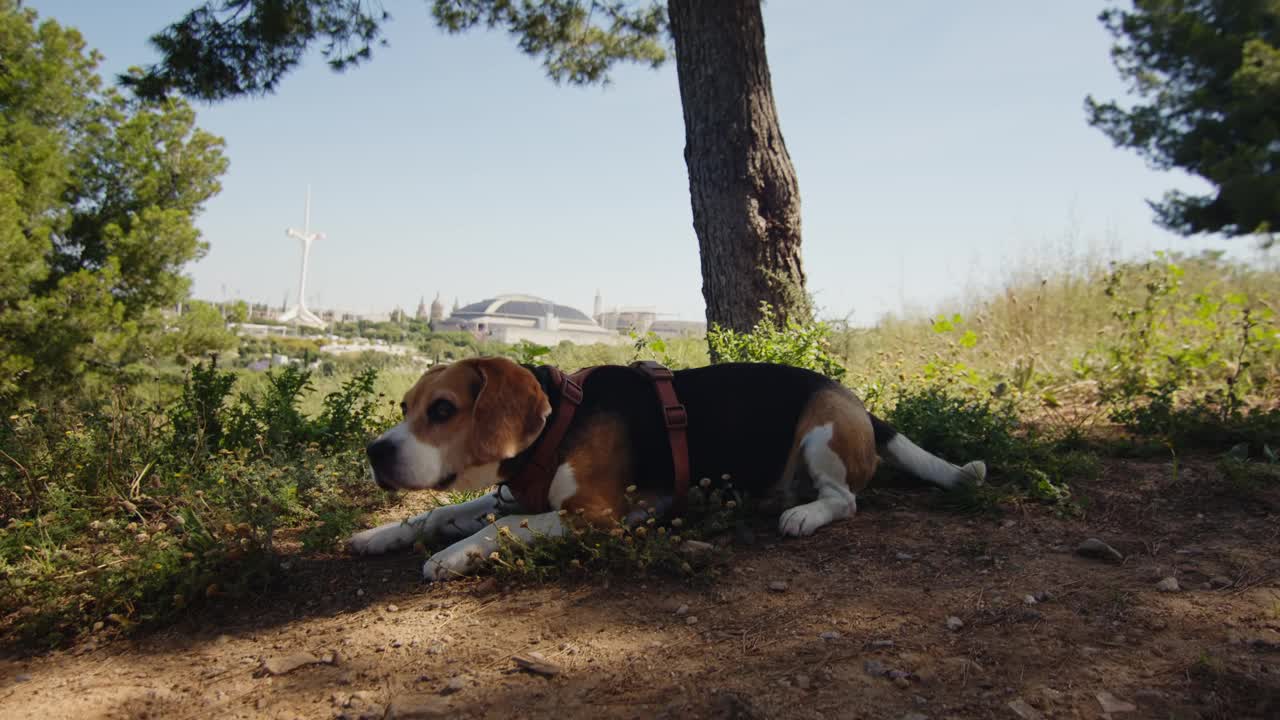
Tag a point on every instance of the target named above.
point(299, 314)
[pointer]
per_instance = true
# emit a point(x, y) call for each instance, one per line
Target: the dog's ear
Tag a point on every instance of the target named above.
point(509, 413)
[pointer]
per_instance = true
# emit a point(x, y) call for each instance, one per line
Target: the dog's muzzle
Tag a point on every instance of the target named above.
point(382, 457)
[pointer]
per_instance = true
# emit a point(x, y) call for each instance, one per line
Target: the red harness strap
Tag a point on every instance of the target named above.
point(676, 419)
point(532, 483)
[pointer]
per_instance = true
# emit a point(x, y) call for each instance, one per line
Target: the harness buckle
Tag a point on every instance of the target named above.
point(571, 391)
point(675, 417)
point(653, 369)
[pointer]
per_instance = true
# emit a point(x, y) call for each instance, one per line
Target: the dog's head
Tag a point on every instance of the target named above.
point(460, 420)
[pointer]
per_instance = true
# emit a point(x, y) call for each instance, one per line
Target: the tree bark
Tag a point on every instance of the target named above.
point(746, 201)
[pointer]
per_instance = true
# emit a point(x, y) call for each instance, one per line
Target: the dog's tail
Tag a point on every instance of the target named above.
point(897, 450)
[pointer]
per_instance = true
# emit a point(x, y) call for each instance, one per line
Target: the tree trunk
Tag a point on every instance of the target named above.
point(746, 202)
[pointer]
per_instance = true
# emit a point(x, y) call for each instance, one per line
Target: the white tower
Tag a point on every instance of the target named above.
point(299, 314)
point(598, 307)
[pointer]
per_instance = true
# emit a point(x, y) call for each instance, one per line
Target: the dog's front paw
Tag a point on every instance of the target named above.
point(801, 521)
point(450, 563)
point(384, 538)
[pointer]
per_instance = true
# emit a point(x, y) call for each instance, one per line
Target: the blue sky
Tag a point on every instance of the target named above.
point(939, 147)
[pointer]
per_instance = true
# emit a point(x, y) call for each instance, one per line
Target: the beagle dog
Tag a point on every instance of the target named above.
point(780, 432)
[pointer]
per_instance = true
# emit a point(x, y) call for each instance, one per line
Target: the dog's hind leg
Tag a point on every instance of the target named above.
point(827, 470)
point(835, 450)
point(900, 452)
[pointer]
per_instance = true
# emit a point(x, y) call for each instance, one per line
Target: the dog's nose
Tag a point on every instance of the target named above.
point(381, 454)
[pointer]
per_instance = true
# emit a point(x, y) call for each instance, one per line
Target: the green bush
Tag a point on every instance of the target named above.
point(1181, 365)
point(127, 514)
point(805, 345)
point(1018, 458)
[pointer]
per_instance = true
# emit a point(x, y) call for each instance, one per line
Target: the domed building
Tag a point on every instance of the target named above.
point(512, 318)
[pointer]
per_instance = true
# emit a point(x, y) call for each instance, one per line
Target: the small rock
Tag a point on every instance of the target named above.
point(875, 668)
point(392, 608)
point(738, 707)
point(360, 699)
point(1006, 524)
point(1025, 711)
point(1095, 548)
point(23, 677)
point(1150, 698)
point(829, 635)
point(954, 623)
point(691, 620)
point(536, 664)
point(778, 586)
point(901, 683)
point(1029, 600)
point(1044, 596)
point(1220, 581)
point(488, 586)
point(1112, 704)
point(905, 556)
point(418, 707)
point(802, 682)
point(682, 610)
point(1169, 584)
point(455, 684)
point(696, 548)
point(288, 663)
point(359, 592)
point(880, 643)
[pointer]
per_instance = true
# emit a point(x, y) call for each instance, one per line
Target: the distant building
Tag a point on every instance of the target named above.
point(628, 319)
point(670, 329)
point(258, 330)
point(421, 312)
point(437, 310)
point(512, 318)
point(644, 320)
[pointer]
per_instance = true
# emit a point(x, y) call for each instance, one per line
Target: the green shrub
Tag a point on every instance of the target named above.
point(805, 345)
point(127, 514)
point(1017, 456)
point(1180, 365)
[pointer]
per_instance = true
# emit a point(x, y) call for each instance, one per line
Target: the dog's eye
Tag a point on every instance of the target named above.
point(440, 411)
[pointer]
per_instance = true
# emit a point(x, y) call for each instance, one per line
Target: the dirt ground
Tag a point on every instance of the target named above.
point(863, 628)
